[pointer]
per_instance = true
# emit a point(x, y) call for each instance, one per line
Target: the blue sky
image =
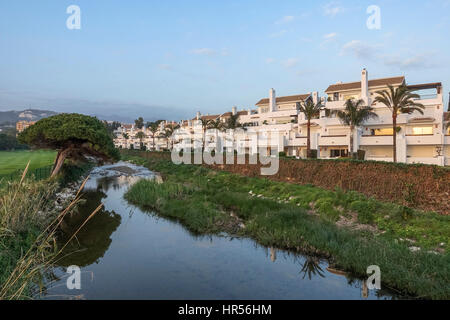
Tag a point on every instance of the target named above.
point(169, 59)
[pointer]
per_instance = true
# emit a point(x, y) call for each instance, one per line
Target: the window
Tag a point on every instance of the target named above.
point(336, 96)
point(382, 132)
point(422, 130)
point(338, 153)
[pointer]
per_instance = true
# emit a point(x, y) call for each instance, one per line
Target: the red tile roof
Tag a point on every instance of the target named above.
point(286, 99)
point(372, 83)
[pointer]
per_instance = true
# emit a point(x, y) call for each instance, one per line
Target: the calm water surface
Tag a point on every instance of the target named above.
point(125, 253)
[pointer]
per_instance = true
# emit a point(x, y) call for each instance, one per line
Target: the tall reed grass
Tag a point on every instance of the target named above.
point(28, 228)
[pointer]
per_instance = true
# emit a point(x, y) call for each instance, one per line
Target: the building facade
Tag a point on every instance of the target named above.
point(422, 138)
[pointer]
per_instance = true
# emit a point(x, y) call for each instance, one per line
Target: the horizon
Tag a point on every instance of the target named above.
point(146, 59)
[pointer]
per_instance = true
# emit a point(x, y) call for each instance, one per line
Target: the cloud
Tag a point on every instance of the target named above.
point(270, 60)
point(332, 9)
point(285, 19)
point(330, 36)
point(418, 61)
point(204, 51)
point(277, 34)
point(359, 49)
point(405, 61)
point(289, 63)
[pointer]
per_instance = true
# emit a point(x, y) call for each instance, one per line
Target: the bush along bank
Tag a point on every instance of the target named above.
point(30, 213)
point(419, 186)
point(351, 230)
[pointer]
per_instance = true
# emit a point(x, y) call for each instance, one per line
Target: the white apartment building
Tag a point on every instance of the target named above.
point(421, 139)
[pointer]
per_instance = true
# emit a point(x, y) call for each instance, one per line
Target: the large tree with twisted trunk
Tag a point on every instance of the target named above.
point(75, 136)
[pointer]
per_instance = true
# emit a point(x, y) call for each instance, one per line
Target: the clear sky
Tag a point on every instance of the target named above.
point(168, 59)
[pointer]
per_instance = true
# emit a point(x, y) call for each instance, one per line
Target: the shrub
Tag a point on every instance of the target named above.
point(365, 210)
point(325, 206)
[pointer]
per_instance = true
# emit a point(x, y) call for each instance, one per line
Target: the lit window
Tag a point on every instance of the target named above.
point(383, 132)
point(422, 130)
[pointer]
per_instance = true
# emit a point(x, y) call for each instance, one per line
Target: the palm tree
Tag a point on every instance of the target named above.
point(140, 135)
point(154, 127)
point(311, 110)
point(126, 137)
point(398, 100)
point(233, 122)
point(354, 115)
point(167, 134)
point(216, 124)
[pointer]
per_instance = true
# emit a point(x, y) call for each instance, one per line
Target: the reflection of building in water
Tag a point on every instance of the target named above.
point(273, 254)
point(365, 290)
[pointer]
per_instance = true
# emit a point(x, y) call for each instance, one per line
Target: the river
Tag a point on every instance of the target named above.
point(126, 253)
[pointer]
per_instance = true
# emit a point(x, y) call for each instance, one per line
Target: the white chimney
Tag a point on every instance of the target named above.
point(365, 86)
point(198, 115)
point(272, 100)
point(233, 110)
point(315, 97)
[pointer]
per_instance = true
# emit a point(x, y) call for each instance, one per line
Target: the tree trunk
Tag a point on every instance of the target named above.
point(394, 135)
point(59, 161)
point(308, 142)
point(351, 142)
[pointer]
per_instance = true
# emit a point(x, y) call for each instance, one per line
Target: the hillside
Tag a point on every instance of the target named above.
point(29, 115)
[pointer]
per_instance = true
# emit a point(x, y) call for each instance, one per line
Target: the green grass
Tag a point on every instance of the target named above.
point(11, 161)
point(303, 218)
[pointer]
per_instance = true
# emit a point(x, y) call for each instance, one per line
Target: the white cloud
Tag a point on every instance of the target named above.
point(289, 63)
point(270, 60)
point(403, 61)
point(285, 19)
point(277, 34)
point(360, 49)
point(332, 9)
point(330, 36)
point(204, 51)
point(418, 61)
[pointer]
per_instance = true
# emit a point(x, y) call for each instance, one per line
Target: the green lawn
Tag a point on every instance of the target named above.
point(11, 161)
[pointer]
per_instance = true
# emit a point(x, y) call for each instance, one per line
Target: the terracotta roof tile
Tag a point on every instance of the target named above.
point(295, 98)
point(372, 83)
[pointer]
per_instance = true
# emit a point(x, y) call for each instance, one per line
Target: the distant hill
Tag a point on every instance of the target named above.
point(28, 115)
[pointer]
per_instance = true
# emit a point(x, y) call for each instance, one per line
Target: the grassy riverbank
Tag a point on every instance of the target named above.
point(353, 231)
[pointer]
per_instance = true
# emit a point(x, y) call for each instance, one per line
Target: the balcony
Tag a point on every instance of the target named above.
point(376, 140)
point(335, 104)
point(298, 142)
point(430, 139)
point(334, 140)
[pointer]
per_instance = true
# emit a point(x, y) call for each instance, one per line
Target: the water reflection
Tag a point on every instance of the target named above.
point(128, 253)
point(311, 268)
point(94, 239)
